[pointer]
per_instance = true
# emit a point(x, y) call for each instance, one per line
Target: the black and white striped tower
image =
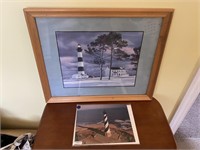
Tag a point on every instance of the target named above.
point(106, 125)
point(80, 60)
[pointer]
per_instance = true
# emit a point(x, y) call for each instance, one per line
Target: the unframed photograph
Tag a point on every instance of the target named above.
point(108, 124)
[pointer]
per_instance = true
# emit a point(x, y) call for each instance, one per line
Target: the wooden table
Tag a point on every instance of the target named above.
point(57, 126)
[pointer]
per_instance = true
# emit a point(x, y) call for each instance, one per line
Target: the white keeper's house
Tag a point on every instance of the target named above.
point(116, 72)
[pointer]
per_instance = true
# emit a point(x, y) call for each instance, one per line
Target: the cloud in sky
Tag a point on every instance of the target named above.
point(67, 41)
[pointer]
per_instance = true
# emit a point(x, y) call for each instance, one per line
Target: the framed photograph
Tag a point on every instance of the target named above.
point(98, 54)
point(103, 59)
point(104, 124)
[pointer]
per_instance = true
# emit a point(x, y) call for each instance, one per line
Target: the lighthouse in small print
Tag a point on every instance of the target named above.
point(106, 125)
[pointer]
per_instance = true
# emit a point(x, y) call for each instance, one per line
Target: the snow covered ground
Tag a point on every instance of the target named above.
point(96, 82)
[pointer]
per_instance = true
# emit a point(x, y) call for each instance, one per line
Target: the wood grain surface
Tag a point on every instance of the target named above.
point(57, 127)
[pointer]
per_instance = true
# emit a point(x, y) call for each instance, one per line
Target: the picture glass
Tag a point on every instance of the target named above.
point(98, 59)
point(98, 56)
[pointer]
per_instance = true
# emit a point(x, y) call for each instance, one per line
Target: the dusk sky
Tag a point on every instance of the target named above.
point(68, 40)
point(99, 106)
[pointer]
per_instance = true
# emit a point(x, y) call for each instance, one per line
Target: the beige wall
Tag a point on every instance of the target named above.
point(22, 100)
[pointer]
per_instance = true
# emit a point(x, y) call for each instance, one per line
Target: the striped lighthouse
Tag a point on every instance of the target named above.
point(106, 125)
point(80, 60)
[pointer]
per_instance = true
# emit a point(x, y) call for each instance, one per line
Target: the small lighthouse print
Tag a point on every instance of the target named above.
point(106, 125)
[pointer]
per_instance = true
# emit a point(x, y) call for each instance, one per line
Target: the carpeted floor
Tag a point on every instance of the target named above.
point(188, 134)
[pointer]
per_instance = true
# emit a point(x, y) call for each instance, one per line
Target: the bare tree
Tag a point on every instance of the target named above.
point(112, 41)
point(97, 49)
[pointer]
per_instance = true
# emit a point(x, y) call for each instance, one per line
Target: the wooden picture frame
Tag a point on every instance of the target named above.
point(154, 23)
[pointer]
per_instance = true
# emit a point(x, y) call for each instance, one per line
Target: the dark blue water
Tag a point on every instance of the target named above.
point(96, 116)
